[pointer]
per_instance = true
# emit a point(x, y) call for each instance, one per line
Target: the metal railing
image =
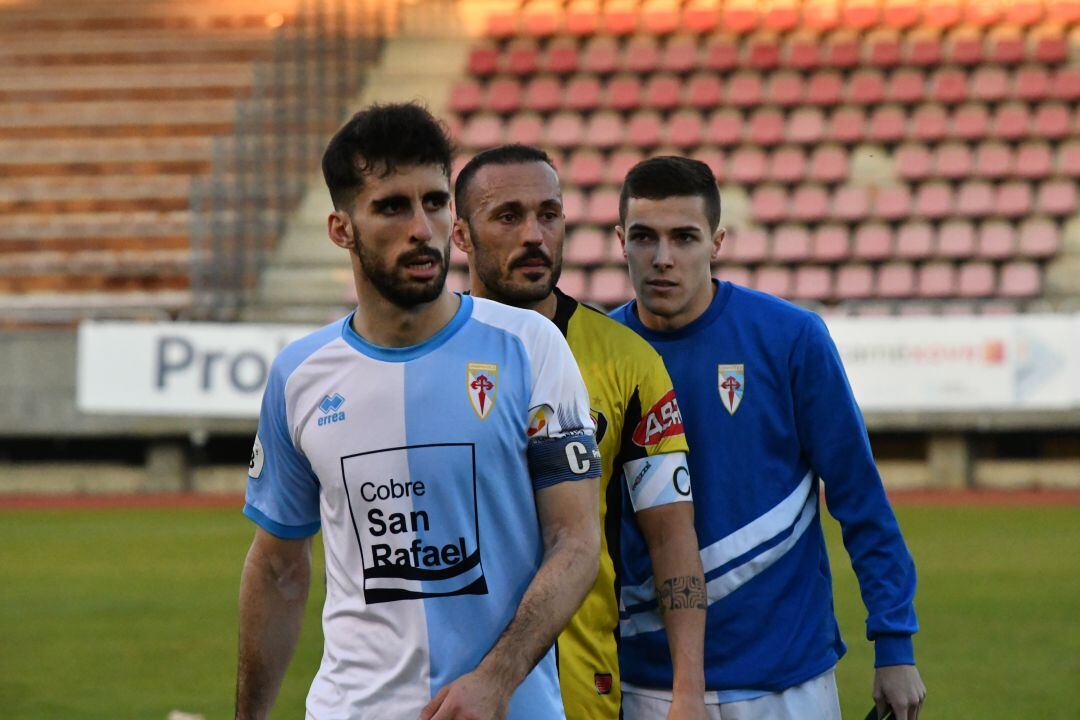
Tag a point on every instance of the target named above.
point(258, 176)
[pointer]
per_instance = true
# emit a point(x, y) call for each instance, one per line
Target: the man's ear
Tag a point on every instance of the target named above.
point(461, 237)
point(619, 233)
point(340, 229)
point(717, 241)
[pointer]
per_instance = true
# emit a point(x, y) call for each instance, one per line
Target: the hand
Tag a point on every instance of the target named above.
point(687, 706)
point(474, 696)
point(899, 687)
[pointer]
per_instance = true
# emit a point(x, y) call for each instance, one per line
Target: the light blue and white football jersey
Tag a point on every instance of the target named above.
point(420, 466)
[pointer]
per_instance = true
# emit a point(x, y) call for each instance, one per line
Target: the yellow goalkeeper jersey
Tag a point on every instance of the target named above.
point(636, 415)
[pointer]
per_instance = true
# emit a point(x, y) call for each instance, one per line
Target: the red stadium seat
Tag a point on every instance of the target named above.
point(901, 14)
point(953, 161)
point(821, 14)
point(854, 282)
point(739, 16)
point(766, 127)
point(716, 161)
point(482, 131)
point(809, 203)
point(993, 160)
point(1068, 159)
point(949, 86)
point(660, 17)
point(573, 206)
point(782, 15)
point(975, 198)
point(976, 279)
point(610, 286)
point(600, 55)
point(684, 129)
point(970, 122)
point(483, 60)
point(1011, 122)
point(1032, 83)
point(828, 164)
point(929, 123)
point(842, 50)
point(847, 125)
point(922, 48)
point(744, 89)
point(936, 280)
point(989, 83)
point(997, 240)
point(521, 57)
point(466, 97)
point(892, 203)
point(873, 241)
point(641, 54)
point(747, 165)
point(1020, 279)
point(645, 129)
point(802, 51)
point(540, 19)
point(1052, 121)
point(866, 87)
point(1056, 197)
point(721, 53)
point(619, 17)
point(907, 85)
point(1040, 238)
point(830, 243)
point(583, 92)
point(623, 92)
point(964, 46)
point(572, 282)
point(1005, 46)
point(791, 244)
point(861, 14)
point(1066, 12)
point(913, 161)
point(896, 280)
point(882, 49)
point(736, 275)
point(680, 54)
point(749, 245)
point(1034, 160)
point(587, 246)
point(662, 92)
point(700, 16)
point(824, 88)
point(1013, 200)
point(1065, 84)
point(725, 127)
point(915, 240)
point(586, 168)
point(504, 95)
point(561, 56)
point(502, 25)
point(888, 124)
point(850, 203)
point(1050, 46)
point(564, 129)
point(761, 51)
point(941, 13)
point(582, 18)
point(956, 240)
point(773, 280)
point(933, 201)
point(619, 164)
point(704, 90)
point(769, 203)
point(544, 93)
point(812, 283)
point(525, 128)
point(785, 89)
point(602, 207)
point(787, 165)
point(806, 126)
point(982, 14)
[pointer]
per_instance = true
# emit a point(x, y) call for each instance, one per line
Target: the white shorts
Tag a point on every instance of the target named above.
point(815, 699)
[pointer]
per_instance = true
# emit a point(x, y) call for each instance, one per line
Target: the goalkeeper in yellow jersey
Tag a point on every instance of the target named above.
point(511, 225)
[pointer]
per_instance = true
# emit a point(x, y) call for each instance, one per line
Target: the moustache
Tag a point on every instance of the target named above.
point(420, 255)
point(531, 254)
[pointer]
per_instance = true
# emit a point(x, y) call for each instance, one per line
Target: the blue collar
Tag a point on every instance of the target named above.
point(411, 352)
point(719, 301)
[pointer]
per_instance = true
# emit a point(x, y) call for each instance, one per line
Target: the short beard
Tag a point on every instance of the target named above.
point(385, 280)
point(491, 277)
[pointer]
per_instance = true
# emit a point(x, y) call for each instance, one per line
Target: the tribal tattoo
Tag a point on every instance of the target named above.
point(681, 593)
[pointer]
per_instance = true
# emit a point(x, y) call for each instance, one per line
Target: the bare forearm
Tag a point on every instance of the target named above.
point(271, 612)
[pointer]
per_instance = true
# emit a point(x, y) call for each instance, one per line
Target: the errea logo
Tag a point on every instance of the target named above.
point(331, 409)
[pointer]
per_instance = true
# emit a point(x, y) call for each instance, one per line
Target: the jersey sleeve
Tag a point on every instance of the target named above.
point(282, 491)
point(658, 473)
point(561, 433)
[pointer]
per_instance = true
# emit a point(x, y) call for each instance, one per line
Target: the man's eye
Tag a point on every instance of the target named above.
point(436, 203)
point(392, 208)
point(507, 217)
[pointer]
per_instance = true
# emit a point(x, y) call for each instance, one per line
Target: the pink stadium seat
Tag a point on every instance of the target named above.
point(573, 205)
point(901, 14)
point(882, 49)
point(956, 239)
point(942, 13)
point(725, 127)
point(610, 286)
point(850, 203)
point(769, 203)
point(825, 87)
point(971, 121)
point(1034, 160)
point(466, 97)
point(704, 90)
point(785, 89)
point(582, 18)
point(907, 85)
point(1050, 46)
point(504, 95)
point(483, 60)
point(913, 161)
point(976, 279)
point(892, 203)
point(873, 241)
point(735, 274)
point(993, 160)
point(659, 17)
point(641, 54)
point(662, 92)
point(791, 244)
point(619, 164)
point(623, 92)
point(544, 93)
point(680, 54)
point(482, 131)
point(748, 245)
point(587, 246)
point(896, 280)
point(929, 123)
point(773, 280)
point(989, 83)
point(1005, 46)
point(1040, 238)
point(1066, 12)
point(600, 55)
point(564, 129)
point(1011, 122)
point(586, 168)
point(933, 200)
point(644, 129)
point(761, 51)
point(809, 203)
point(700, 16)
point(847, 126)
point(1022, 12)
point(744, 89)
point(525, 128)
point(766, 127)
point(915, 240)
point(802, 51)
point(716, 161)
point(720, 53)
point(540, 19)
point(997, 240)
point(888, 124)
point(583, 92)
point(1052, 121)
point(854, 282)
point(828, 164)
point(866, 87)
point(1056, 197)
point(861, 14)
point(521, 57)
point(953, 161)
point(502, 25)
point(936, 280)
point(812, 283)
point(982, 14)
point(739, 16)
point(1065, 84)
point(842, 50)
point(1013, 200)
point(602, 207)
point(782, 15)
point(975, 198)
point(805, 126)
point(1020, 279)
point(821, 14)
point(561, 56)
point(922, 48)
point(684, 129)
point(964, 46)
point(1068, 159)
point(1032, 83)
point(949, 86)
point(573, 282)
point(830, 243)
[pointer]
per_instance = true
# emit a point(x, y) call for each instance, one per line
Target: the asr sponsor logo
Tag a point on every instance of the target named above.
point(481, 381)
point(330, 407)
point(663, 420)
point(603, 683)
point(731, 381)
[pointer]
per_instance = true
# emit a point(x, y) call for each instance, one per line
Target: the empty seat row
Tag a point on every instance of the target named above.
point(1033, 160)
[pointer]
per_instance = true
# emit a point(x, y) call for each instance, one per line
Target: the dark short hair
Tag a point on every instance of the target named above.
point(382, 137)
point(514, 154)
point(671, 176)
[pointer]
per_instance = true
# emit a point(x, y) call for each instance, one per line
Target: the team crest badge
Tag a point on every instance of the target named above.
point(481, 380)
point(732, 383)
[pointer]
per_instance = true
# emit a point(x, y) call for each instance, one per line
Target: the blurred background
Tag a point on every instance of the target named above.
point(907, 168)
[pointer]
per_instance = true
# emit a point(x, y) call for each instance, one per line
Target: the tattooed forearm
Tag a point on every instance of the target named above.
point(681, 593)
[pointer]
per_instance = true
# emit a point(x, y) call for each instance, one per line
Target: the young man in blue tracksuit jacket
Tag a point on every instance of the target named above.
point(770, 419)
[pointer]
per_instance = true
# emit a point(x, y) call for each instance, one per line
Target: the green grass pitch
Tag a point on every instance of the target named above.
point(132, 613)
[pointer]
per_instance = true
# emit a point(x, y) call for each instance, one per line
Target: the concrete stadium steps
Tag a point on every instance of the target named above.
point(144, 81)
point(149, 14)
point(94, 231)
point(95, 193)
point(63, 48)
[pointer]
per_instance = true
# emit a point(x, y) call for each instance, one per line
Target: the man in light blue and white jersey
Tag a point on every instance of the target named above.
point(457, 545)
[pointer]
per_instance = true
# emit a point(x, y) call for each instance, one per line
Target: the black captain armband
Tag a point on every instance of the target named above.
point(556, 460)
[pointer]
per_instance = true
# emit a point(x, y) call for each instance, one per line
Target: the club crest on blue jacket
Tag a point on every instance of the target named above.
point(731, 383)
